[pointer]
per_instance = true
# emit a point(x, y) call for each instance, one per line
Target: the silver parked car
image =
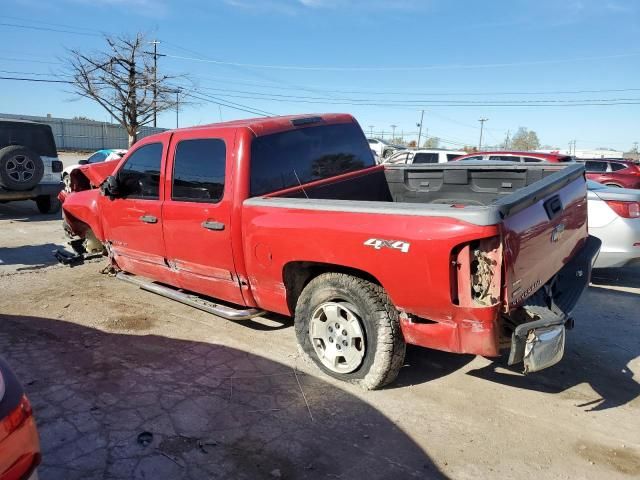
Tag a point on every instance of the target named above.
point(614, 217)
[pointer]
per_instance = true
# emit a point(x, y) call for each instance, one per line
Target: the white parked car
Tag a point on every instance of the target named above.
point(383, 149)
point(423, 155)
point(105, 155)
point(614, 217)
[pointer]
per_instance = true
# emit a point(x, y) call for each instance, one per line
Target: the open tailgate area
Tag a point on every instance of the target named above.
point(544, 227)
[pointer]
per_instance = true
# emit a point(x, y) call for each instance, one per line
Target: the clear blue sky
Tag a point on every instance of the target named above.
point(409, 53)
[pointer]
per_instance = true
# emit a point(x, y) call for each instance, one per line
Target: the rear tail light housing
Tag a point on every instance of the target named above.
point(476, 269)
point(625, 209)
point(56, 166)
point(16, 418)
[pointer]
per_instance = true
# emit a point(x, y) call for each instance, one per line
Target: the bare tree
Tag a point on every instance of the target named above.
point(525, 139)
point(124, 82)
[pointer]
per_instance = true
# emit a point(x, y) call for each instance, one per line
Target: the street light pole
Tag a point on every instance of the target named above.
point(481, 120)
point(393, 132)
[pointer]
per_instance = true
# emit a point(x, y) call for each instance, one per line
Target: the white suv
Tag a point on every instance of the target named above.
point(29, 164)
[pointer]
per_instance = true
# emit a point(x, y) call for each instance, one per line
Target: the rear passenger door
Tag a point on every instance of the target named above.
point(196, 214)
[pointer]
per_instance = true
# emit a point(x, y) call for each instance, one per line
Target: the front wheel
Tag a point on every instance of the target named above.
point(350, 329)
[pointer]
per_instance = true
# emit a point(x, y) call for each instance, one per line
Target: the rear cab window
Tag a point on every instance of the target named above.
point(199, 170)
point(294, 157)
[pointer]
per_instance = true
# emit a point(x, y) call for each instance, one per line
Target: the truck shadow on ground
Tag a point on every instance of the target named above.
point(32, 257)
point(422, 365)
point(596, 354)
point(618, 277)
point(210, 411)
point(25, 211)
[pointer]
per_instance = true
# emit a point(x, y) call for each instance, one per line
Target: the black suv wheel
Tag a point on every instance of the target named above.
point(20, 168)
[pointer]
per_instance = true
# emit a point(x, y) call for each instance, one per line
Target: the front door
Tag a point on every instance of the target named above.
point(196, 214)
point(133, 222)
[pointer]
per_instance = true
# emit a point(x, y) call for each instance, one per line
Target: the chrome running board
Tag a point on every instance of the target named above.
point(192, 300)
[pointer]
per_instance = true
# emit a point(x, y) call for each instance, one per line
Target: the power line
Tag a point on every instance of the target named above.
point(403, 68)
point(417, 102)
point(49, 29)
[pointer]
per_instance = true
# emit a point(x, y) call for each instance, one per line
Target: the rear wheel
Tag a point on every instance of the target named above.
point(20, 168)
point(47, 204)
point(349, 328)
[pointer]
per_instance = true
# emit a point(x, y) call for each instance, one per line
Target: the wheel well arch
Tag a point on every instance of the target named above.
point(297, 274)
point(613, 184)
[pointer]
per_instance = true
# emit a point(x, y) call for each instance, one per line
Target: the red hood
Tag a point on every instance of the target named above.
point(95, 174)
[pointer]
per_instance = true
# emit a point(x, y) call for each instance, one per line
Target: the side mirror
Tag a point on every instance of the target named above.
point(111, 187)
point(83, 162)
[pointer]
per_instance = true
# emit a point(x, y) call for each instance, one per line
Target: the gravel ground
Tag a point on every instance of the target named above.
point(104, 362)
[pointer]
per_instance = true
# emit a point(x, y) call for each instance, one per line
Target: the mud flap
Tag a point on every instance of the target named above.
point(538, 344)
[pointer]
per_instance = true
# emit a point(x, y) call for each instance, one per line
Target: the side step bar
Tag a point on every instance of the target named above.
point(223, 311)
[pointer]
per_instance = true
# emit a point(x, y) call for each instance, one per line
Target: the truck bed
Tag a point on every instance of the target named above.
point(537, 211)
point(481, 194)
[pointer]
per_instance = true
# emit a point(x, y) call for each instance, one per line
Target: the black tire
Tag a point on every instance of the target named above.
point(48, 204)
point(387, 153)
point(384, 343)
point(20, 168)
point(66, 179)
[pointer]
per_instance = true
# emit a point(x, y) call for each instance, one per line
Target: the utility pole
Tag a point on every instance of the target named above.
point(635, 147)
point(420, 128)
point(393, 132)
point(155, 82)
point(507, 140)
point(481, 120)
point(371, 130)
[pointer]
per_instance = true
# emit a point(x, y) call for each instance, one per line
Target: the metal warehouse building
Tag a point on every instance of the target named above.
point(72, 134)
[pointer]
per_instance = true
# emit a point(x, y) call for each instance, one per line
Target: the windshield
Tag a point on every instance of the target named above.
point(303, 155)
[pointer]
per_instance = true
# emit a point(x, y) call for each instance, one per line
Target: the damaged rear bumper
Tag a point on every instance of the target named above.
point(539, 343)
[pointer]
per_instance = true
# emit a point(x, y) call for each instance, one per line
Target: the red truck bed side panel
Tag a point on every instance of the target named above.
point(276, 236)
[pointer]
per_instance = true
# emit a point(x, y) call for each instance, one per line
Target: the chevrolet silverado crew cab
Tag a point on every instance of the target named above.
point(291, 215)
point(29, 165)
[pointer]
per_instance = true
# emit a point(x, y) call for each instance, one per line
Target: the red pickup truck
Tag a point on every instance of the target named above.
point(292, 215)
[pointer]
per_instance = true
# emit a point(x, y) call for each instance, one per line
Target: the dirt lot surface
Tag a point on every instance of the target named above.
point(103, 362)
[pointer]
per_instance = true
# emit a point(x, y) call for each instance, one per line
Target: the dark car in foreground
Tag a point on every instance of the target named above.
point(613, 173)
point(19, 444)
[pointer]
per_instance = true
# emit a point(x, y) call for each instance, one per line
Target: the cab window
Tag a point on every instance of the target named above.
point(140, 175)
point(198, 170)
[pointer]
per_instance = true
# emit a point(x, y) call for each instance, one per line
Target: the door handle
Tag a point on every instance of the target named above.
point(211, 225)
point(148, 219)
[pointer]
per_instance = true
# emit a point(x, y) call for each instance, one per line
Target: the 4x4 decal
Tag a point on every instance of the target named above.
point(395, 244)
